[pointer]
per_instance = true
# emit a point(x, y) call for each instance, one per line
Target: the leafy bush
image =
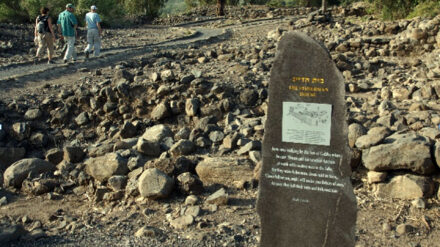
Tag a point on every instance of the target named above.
point(149, 8)
point(347, 2)
point(304, 3)
point(173, 7)
point(191, 3)
point(11, 11)
point(393, 9)
point(428, 8)
point(32, 7)
point(21, 11)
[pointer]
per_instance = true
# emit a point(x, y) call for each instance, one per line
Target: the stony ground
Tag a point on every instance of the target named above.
point(225, 64)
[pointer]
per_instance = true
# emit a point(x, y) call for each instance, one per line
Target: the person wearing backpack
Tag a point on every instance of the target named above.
point(67, 23)
point(44, 34)
point(94, 31)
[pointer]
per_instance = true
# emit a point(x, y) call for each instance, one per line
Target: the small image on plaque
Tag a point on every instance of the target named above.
point(306, 123)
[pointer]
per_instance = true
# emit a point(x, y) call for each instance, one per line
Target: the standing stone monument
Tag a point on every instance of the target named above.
point(306, 198)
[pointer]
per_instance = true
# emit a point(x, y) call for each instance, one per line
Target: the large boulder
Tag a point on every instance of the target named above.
point(153, 183)
point(406, 187)
point(20, 170)
point(103, 167)
point(408, 152)
point(225, 170)
point(373, 137)
point(182, 147)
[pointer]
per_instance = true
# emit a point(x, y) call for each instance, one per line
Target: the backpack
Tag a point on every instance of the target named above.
point(42, 25)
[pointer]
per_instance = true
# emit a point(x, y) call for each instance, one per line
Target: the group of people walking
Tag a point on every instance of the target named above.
point(67, 28)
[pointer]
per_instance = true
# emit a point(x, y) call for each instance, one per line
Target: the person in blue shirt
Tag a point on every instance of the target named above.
point(67, 25)
point(94, 32)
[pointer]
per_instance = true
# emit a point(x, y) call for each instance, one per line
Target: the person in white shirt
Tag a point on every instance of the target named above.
point(94, 32)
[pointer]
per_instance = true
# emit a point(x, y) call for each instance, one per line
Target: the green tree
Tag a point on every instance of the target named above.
point(108, 10)
point(428, 8)
point(11, 11)
point(394, 9)
point(32, 7)
point(21, 11)
point(149, 8)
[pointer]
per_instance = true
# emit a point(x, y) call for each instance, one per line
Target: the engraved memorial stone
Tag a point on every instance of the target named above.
point(305, 196)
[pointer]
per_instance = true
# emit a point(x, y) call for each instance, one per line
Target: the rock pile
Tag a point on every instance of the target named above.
point(181, 122)
point(394, 129)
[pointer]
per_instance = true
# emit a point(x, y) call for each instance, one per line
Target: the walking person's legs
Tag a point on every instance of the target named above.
point(70, 52)
point(41, 44)
point(50, 47)
point(97, 45)
point(89, 43)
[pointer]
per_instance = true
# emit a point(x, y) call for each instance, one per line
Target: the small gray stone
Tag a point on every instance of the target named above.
point(167, 75)
point(191, 200)
point(376, 177)
point(128, 130)
point(220, 197)
point(255, 156)
point(155, 76)
point(252, 145)
point(403, 229)
point(194, 211)
point(249, 97)
point(3, 201)
point(73, 154)
point(160, 112)
point(216, 136)
point(148, 148)
point(55, 155)
point(182, 147)
point(21, 131)
point(182, 221)
point(189, 183)
point(82, 119)
point(33, 114)
point(183, 133)
point(148, 231)
point(117, 182)
point(192, 107)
